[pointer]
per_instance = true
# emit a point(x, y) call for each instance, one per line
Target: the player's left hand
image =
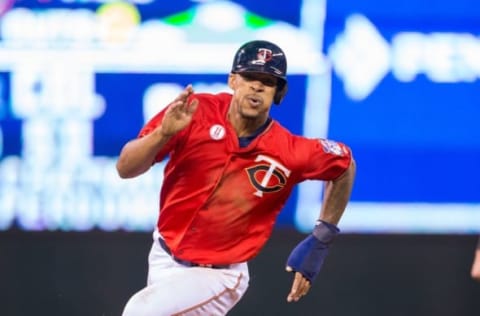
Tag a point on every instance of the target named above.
point(300, 286)
point(307, 258)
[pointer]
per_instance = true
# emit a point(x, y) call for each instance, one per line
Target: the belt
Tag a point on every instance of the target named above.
point(189, 263)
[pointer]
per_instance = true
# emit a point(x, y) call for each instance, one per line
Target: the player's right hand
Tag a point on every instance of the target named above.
point(179, 113)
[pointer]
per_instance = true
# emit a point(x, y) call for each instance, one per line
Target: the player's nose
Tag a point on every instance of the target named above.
point(257, 86)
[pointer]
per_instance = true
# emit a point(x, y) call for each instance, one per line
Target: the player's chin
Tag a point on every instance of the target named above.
point(251, 113)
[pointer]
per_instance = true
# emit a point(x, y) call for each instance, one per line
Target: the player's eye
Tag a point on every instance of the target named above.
point(269, 81)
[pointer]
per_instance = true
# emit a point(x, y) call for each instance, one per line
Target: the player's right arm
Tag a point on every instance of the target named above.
point(138, 155)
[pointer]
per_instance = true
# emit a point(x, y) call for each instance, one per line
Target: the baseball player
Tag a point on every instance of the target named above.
point(230, 171)
point(475, 272)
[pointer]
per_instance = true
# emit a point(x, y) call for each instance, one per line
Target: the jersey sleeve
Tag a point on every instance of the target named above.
point(327, 159)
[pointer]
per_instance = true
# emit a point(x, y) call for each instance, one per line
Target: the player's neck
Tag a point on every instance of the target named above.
point(246, 126)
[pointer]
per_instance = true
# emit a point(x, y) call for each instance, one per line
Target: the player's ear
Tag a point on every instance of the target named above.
point(280, 94)
point(232, 78)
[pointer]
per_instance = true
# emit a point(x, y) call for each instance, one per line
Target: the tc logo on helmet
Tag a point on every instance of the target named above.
point(263, 55)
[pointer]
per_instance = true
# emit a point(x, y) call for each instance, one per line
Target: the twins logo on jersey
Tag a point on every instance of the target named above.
point(267, 177)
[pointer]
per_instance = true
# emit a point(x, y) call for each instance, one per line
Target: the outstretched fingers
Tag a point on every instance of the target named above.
point(192, 106)
point(181, 105)
point(183, 96)
point(179, 113)
point(300, 287)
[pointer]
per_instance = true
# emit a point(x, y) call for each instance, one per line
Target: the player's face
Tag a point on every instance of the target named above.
point(253, 93)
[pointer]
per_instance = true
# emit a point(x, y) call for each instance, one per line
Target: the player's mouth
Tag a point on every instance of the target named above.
point(254, 100)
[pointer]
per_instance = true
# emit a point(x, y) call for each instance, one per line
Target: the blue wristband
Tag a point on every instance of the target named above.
point(325, 232)
point(308, 256)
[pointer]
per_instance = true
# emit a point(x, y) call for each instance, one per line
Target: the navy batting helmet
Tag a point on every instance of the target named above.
point(264, 57)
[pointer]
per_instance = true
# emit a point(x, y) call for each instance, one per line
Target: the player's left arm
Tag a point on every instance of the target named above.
point(308, 256)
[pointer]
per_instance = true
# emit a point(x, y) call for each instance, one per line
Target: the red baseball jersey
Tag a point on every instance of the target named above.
point(218, 201)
